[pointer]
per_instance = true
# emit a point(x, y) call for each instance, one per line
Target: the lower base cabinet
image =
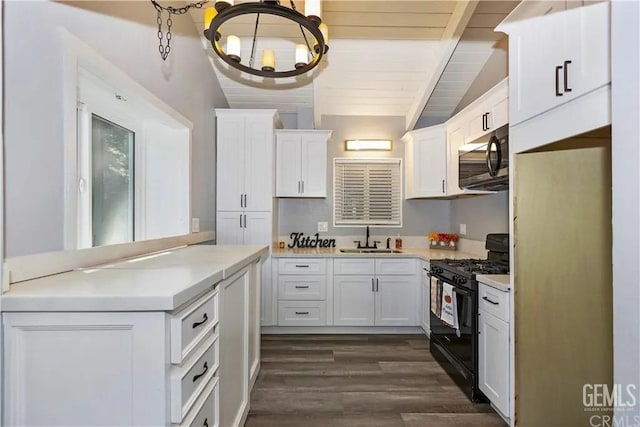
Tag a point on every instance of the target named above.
point(493, 347)
point(234, 349)
point(188, 367)
point(376, 292)
point(425, 312)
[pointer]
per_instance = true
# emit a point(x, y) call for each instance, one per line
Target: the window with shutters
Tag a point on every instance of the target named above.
point(367, 192)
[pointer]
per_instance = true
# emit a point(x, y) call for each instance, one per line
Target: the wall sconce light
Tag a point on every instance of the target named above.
point(367, 144)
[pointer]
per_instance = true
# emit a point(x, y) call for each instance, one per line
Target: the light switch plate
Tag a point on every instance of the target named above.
point(463, 229)
point(323, 227)
point(195, 225)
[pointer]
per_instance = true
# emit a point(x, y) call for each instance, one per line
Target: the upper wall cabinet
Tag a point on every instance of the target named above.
point(425, 153)
point(554, 61)
point(245, 159)
point(301, 163)
point(481, 117)
point(431, 154)
point(489, 112)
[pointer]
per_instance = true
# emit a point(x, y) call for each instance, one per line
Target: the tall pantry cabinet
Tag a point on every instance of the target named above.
point(246, 209)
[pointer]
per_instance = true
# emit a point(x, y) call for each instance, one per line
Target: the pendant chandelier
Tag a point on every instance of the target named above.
point(307, 56)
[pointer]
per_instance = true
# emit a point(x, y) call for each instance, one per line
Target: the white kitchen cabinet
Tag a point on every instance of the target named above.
point(245, 159)
point(479, 118)
point(246, 186)
point(456, 132)
point(493, 346)
point(489, 112)
point(244, 228)
point(255, 320)
point(396, 301)
point(151, 368)
point(302, 285)
point(301, 163)
point(425, 162)
point(234, 349)
point(122, 354)
point(425, 302)
point(568, 59)
point(375, 298)
point(302, 313)
point(354, 300)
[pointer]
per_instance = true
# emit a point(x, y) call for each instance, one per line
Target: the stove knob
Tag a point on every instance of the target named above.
point(462, 281)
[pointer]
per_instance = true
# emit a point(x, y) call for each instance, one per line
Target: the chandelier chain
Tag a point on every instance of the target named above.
point(253, 44)
point(165, 48)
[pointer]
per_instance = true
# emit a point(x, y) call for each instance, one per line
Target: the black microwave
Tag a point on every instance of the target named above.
point(484, 163)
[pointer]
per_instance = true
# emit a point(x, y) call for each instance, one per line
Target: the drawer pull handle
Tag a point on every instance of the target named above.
point(206, 423)
point(302, 287)
point(302, 312)
point(302, 266)
point(204, 320)
point(490, 301)
point(204, 371)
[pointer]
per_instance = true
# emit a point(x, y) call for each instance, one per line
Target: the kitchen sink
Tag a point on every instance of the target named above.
point(370, 251)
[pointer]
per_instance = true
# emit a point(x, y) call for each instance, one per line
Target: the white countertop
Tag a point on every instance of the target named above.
point(499, 281)
point(160, 282)
point(426, 254)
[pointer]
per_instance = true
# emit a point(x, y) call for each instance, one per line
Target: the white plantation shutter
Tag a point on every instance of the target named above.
point(367, 192)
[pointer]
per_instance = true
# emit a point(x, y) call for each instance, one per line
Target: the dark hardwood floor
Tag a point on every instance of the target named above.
point(358, 381)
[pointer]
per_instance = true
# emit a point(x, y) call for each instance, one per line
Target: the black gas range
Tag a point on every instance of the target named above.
point(455, 347)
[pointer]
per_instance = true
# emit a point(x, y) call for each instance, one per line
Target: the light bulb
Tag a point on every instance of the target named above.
point(325, 32)
point(233, 48)
point(268, 60)
point(313, 10)
point(301, 56)
point(209, 14)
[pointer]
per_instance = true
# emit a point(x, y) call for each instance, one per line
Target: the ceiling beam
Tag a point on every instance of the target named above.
point(450, 38)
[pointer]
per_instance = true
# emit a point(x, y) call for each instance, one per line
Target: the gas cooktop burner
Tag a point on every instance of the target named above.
point(477, 266)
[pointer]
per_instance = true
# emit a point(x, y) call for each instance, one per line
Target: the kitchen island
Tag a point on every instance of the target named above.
point(167, 338)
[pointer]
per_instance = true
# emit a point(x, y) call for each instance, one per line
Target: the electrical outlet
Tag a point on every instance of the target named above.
point(195, 225)
point(463, 229)
point(323, 227)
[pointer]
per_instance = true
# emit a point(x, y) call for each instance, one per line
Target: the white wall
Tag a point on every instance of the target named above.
point(125, 33)
point(625, 69)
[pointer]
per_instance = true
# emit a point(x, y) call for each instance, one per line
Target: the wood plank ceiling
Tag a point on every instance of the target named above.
point(380, 54)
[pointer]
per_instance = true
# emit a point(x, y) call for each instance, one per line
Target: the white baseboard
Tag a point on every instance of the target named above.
point(270, 330)
point(254, 376)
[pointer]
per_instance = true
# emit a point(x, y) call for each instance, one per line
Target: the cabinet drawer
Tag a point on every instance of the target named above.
point(302, 266)
point(187, 382)
point(206, 411)
point(404, 266)
point(192, 325)
point(302, 313)
point(354, 266)
point(493, 301)
point(302, 287)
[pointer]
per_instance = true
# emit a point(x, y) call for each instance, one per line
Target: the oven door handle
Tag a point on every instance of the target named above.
point(461, 292)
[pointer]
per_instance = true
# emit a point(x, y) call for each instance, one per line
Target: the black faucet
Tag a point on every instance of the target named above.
point(366, 245)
